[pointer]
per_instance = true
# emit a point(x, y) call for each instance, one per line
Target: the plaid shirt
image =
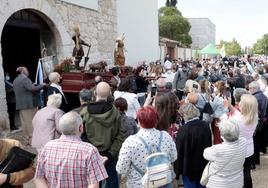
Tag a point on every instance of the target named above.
point(68, 162)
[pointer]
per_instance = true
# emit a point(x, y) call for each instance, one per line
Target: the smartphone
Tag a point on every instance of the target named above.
point(153, 91)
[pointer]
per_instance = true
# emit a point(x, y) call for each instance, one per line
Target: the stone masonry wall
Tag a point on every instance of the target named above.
point(97, 28)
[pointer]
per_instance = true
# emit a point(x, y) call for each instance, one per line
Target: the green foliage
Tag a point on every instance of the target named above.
point(261, 46)
point(174, 26)
point(169, 11)
point(171, 3)
point(231, 48)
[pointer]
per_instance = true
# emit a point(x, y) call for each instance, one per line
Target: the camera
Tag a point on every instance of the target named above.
point(195, 86)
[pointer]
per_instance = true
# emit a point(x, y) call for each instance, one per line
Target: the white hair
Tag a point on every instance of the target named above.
point(54, 100)
point(53, 76)
point(254, 85)
point(229, 129)
point(69, 123)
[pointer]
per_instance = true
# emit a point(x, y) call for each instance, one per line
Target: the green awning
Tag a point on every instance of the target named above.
point(210, 49)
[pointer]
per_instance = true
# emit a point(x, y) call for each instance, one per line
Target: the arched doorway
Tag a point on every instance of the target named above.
point(24, 35)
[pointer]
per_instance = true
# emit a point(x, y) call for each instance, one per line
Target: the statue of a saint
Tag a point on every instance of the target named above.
point(78, 51)
point(119, 56)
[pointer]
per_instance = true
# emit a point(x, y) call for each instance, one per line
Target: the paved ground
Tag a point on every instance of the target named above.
point(260, 175)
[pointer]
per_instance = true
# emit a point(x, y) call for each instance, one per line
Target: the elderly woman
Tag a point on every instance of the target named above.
point(133, 150)
point(227, 159)
point(54, 87)
point(46, 121)
point(247, 119)
point(191, 141)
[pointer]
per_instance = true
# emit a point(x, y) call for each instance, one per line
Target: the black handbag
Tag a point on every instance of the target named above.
point(17, 159)
point(207, 108)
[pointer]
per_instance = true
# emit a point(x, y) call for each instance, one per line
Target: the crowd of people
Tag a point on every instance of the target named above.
point(204, 115)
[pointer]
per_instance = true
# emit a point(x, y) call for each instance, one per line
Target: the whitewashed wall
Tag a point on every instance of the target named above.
point(186, 53)
point(138, 19)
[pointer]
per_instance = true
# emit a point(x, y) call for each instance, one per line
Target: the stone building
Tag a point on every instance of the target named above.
point(26, 26)
point(203, 32)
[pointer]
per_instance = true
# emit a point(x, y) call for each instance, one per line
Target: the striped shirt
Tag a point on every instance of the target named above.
point(69, 163)
point(227, 160)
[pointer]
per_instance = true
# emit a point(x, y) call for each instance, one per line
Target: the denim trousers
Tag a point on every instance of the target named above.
point(191, 184)
point(112, 180)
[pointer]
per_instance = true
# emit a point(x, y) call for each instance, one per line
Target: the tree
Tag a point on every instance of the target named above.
point(174, 26)
point(231, 48)
point(261, 46)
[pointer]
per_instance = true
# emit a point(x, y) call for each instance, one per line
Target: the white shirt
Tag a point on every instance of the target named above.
point(169, 76)
point(167, 64)
point(132, 102)
point(227, 160)
point(133, 151)
point(60, 89)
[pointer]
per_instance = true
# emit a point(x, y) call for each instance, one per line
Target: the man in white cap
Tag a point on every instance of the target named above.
point(169, 74)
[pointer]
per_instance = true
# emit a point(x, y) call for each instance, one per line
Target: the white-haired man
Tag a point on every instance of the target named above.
point(67, 161)
point(46, 122)
point(260, 134)
point(54, 87)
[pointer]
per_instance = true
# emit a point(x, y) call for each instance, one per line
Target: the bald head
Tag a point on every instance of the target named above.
point(97, 79)
point(103, 90)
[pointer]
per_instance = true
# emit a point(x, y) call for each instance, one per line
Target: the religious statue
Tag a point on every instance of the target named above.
point(119, 57)
point(78, 51)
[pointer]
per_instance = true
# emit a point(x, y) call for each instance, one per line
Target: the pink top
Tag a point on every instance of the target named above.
point(246, 131)
point(45, 126)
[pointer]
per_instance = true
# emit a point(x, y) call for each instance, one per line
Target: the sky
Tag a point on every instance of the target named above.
point(244, 20)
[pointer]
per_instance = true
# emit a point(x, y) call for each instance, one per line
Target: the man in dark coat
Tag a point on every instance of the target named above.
point(261, 132)
point(54, 87)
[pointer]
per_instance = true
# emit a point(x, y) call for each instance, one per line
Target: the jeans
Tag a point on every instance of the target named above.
point(112, 180)
point(180, 94)
point(142, 99)
point(247, 175)
point(191, 184)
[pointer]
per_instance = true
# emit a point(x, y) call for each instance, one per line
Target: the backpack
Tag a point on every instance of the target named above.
point(159, 171)
point(207, 109)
